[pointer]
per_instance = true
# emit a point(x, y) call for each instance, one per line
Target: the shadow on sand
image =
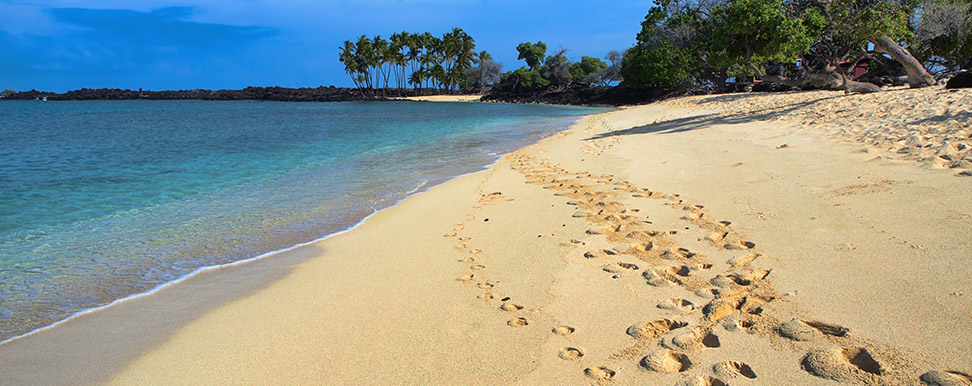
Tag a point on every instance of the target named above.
point(697, 122)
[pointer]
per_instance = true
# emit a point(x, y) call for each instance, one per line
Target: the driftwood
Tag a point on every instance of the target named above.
point(851, 86)
point(826, 81)
point(833, 78)
point(918, 76)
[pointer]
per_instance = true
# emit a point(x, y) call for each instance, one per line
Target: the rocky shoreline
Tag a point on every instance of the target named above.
point(283, 94)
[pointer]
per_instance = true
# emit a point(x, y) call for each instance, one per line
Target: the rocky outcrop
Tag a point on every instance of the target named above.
point(960, 80)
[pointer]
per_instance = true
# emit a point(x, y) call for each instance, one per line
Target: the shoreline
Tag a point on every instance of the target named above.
point(290, 255)
point(364, 207)
point(770, 225)
point(285, 254)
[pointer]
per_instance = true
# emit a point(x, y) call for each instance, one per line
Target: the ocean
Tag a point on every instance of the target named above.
point(102, 200)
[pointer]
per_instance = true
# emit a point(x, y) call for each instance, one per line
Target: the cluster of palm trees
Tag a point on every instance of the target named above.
point(419, 60)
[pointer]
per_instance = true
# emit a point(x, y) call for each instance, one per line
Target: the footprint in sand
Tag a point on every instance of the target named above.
point(716, 236)
point(612, 268)
point(510, 307)
point(570, 353)
point(677, 305)
point(797, 330)
point(628, 266)
point(659, 278)
point(688, 270)
point(720, 308)
point(599, 373)
point(477, 267)
point(619, 267)
point(666, 361)
point(678, 253)
point(946, 378)
point(465, 278)
point(742, 245)
point(703, 380)
point(654, 328)
point(844, 365)
point(563, 330)
point(518, 322)
point(728, 280)
point(595, 254)
point(731, 369)
point(694, 340)
point(742, 260)
point(828, 328)
point(486, 296)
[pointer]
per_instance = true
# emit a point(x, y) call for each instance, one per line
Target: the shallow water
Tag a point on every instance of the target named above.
point(102, 200)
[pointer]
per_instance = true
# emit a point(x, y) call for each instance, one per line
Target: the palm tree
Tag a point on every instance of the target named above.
point(399, 46)
point(414, 44)
point(380, 56)
point(364, 57)
point(348, 56)
point(412, 59)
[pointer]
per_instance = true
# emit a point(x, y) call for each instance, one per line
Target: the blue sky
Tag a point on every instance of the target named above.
point(61, 45)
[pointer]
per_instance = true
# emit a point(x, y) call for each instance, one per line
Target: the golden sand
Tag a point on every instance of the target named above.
point(750, 239)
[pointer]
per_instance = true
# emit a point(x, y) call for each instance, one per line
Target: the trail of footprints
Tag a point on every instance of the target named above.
point(737, 299)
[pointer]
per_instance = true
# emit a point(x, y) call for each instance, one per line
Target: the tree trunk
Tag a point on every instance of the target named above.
point(851, 86)
point(917, 75)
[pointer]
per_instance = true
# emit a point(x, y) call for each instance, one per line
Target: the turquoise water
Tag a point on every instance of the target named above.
point(102, 200)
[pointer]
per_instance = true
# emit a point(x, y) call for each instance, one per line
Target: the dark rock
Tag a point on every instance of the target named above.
point(582, 95)
point(960, 80)
point(304, 94)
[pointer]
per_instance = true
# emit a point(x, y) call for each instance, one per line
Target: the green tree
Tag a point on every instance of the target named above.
point(349, 57)
point(556, 69)
point(655, 61)
point(885, 24)
point(943, 34)
point(364, 59)
point(588, 70)
point(754, 32)
point(524, 78)
point(533, 54)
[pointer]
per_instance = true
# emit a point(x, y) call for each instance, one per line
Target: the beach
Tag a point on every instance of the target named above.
point(809, 238)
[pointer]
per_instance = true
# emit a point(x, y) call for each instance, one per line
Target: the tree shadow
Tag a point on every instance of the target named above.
point(942, 118)
point(697, 122)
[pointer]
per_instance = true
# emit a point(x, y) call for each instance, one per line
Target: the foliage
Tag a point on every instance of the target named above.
point(486, 72)
point(655, 61)
point(943, 33)
point(661, 65)
point(755, 32)
point(613, 70)
point(588, 71)
point(556, 69)
point(533, 54)
point(7, 92)
point(703, 42)
point(411, 59)
point(525, 78)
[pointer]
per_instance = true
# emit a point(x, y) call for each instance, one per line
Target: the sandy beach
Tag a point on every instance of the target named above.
point(747, 239)
point(445, 98)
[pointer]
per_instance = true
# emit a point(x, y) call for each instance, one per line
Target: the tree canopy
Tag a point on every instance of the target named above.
point(686, 43)
point(416, 59)
point(533, 54)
